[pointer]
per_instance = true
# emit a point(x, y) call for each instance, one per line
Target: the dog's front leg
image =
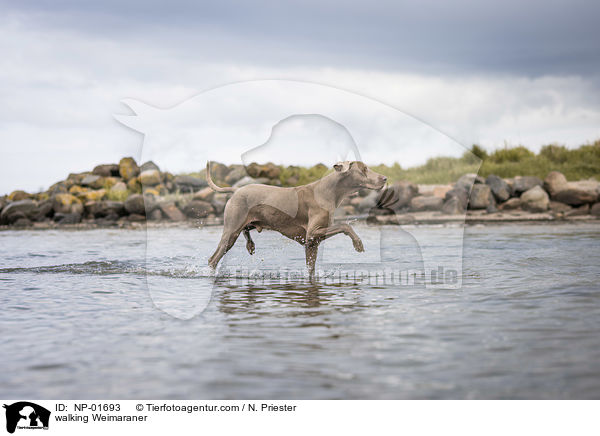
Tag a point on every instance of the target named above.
point(327, 232)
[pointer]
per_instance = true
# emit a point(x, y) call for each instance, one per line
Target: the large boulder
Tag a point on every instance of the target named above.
point(397, 196)
point(135, 204)
point(106, 170)
point(453, 206)
point(422, 203)
point(511, 204)
point(19, 195)
point(149, 166)
point(578, 211)
point(18, 209)
point(237, 173)
point(44, 210)
point(171, 212)
point(205, 194)
point(468, 180)
point(67, 218)
point(595, 210)
point(189, 183)
point(218, 203)
point(66, 203)
point(128, 168)
point(481, 197)
point(365, 204)
point(268, 170)
point(579, 193)
point(102, 209)
point(150, 177)
point(218, 171)
point(558, 207)
point(525, 183)
point(197, 209)
point(499, 187)
point(93, 181)
point(535, 200)
point(460, 194)
point(554, 183)
point(96, 195)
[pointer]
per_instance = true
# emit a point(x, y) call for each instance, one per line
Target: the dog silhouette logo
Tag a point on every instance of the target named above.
point(26, 415)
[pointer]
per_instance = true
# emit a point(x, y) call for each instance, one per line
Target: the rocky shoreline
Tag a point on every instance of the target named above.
point(126, 195)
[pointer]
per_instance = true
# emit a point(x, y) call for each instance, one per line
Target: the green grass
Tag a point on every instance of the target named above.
point(576, 164)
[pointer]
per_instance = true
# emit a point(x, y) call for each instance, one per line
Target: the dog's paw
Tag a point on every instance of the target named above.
point(358, 245)
point(250, 247)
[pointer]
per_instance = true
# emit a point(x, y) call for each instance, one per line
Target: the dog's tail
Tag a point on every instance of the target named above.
point(212, 184)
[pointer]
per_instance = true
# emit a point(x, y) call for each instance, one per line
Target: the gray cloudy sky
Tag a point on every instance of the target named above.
point(485, 72)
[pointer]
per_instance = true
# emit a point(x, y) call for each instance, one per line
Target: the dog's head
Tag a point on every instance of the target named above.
point(358, 176)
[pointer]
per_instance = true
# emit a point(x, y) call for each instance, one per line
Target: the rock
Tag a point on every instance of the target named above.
point(66, 204)
point(535, 199)
point(481, 196)
point(189, 183)
point(134, 217)
point(441, 190)
point(205, 194)
point(146, 166)
point(171, 212)
point(150, 177)
point(44, 210)
point(244, 181)
point(422, 202)
point(468, 180)
point(511, 204)
point(579, 211)
point(499, 187)
point(77, 190)
point(398, 196)
point(218, 171)
point(269, 170)
point(58, 188)
point(67, 218)
point(22, 222)
point(197, 209)
point(101, 209)
point(460, 194)
point(369, 202)
point(93, 195)
point(237, 173)
point(578, 193)
point(19, 195)
point(134, 185)
point(91, 180)
point(525, 183)
point(595, 210)
point(18, 209)
point(128, 168)
point(453, 206)
point(218, 203)
point(558, 207)
point(554, 183)
point(119, 187)
point(106, 170)
point(155, 215)
point(135, 204)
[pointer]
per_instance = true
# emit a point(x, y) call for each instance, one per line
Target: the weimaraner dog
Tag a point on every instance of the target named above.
point(302, 213)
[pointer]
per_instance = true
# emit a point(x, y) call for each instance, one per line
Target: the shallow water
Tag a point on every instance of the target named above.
point(134, 314)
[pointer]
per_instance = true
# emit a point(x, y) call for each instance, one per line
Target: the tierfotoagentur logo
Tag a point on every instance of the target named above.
point(293, 123)
point(24, 415)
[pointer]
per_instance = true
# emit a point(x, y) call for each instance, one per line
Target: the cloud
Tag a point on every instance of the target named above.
point(60, 85)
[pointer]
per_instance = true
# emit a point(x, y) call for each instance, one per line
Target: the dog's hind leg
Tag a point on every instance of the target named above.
point(227, 241)
point(235, 221)
point(310, 250)
point(249, 242)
